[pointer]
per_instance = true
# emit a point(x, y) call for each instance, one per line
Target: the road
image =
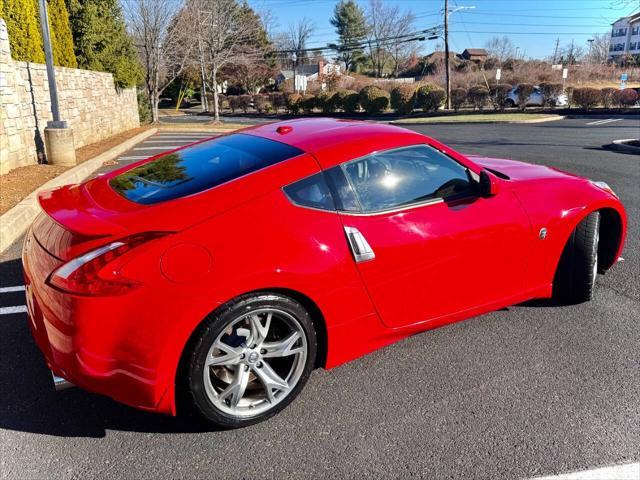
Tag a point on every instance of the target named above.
point(528, 391)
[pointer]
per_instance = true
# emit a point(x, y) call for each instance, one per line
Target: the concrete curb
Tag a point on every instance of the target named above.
point(621, 146)
point(483, 122)
point(16, 221)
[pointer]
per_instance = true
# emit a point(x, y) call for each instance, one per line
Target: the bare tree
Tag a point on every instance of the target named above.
point(229, 32)
point(399, 44)
point(598, 49)
point(379, 28)
point(571, 54)
point(500, 48)
point(298, 37)
point(160, 29)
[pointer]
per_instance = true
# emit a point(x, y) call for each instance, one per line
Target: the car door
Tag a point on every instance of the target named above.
point(425, 244)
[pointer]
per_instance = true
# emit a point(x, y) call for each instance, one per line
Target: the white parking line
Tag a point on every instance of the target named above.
point(602, 122)
point(12, 310)
point(167, 147)
point(167, 141)
point(17, 288)
point(630, 471)
point(138, 157)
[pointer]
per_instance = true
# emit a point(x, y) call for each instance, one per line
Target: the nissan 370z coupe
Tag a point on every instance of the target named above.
point(223, 272)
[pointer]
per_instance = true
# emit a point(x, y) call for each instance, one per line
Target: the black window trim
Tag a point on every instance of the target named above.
point(406, 206)
point(300, 205)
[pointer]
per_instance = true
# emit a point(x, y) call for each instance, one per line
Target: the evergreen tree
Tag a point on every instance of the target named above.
point(101, 40)
point(61, 38)
point(351, 27)
point(21, 17)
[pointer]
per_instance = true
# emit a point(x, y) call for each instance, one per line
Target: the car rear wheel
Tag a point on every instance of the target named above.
point(510, 103)
point(251, 359)
point(575, 279)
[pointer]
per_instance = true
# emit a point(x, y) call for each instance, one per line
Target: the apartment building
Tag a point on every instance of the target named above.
point(625, 37)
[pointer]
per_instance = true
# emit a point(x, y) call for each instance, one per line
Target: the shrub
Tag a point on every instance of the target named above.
point(261, 103)
point(430, 97)
point(308, 103)
point(550, 93)
point(499, 95)
point(349, 101)
point(277, 100)
point(292, 103)
point(373, 99)
point(524, 92)
point(626, 98)
point(234, 103)
point(244, 102)
point(586, 97)
point(458, 97)
point(403, 99)
point(325, 102)
point(478, 96)
point(608, 97)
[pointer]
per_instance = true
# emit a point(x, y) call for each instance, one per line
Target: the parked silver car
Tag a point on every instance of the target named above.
point(536, 99)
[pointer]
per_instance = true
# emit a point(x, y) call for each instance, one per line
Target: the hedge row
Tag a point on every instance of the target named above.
point(406, 98)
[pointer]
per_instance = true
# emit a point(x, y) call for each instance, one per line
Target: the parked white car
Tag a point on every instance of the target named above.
point(536, 99)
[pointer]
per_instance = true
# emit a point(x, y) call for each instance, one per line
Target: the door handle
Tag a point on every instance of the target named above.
point(360, 248)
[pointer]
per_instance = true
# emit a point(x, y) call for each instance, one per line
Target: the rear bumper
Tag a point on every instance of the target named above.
point(88, 341)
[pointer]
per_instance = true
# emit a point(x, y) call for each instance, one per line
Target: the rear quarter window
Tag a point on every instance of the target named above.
point(199, 168)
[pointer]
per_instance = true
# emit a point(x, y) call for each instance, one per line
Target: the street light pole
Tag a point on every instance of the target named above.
point(446, 53)
point(59, 145)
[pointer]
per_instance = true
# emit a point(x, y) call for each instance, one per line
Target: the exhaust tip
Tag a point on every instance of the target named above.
point(61, 383)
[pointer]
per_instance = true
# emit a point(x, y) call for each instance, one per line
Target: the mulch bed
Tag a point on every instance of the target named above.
point(21, 181)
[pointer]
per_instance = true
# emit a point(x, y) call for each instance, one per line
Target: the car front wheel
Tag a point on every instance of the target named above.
point(251, 359)
point(575, 278)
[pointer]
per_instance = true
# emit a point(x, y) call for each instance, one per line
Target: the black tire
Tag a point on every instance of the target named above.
point(214, 326)
point(577, 270)
point(510, 103)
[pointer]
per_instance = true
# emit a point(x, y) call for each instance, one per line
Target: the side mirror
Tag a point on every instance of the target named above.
point(488, 185)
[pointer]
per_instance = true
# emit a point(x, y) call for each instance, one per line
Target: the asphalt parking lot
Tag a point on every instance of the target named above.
point(529, 391)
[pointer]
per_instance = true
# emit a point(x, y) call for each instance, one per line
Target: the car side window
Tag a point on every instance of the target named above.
point(404, 176)
point(311, 192)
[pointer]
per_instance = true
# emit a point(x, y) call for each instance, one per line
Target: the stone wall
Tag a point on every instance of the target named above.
point(89, 102)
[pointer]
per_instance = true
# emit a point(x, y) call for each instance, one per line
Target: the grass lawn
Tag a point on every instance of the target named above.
point(481, 117)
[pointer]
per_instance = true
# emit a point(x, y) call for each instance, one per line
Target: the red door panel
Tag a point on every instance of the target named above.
point(445, 257)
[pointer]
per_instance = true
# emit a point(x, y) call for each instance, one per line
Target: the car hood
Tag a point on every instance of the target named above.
point(516, 170)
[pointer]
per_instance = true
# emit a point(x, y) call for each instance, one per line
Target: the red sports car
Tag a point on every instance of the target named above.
point(222, 273)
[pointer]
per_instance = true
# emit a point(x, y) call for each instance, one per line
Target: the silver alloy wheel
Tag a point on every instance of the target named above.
point(255, 362)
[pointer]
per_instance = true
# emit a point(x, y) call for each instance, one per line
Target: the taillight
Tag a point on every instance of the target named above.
point(89, 274)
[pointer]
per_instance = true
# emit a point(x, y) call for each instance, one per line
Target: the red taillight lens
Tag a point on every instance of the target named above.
point(89, 274)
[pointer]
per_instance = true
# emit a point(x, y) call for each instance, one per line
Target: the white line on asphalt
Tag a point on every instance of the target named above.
point(167, 141)
point(629, 471)
point(138, 157)
point(177, 135)
point(17, 288)
point(12, 310)
point(602, 122)
point(167, 147)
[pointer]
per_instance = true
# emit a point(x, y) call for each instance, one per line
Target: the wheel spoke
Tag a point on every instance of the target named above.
point(259, 331)
point(270, 380)
point(237, 387)
point(282, 348)
point(231, 355)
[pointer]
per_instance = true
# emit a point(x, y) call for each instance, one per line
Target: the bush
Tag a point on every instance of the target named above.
point(234, 103)
point(277, 100)
point(478, 96)
point(499, 95)
point(430, 97)
point(586, 97)
point(244, 102)
point(403, 99)
point(608, 97)
point(308, 103)
point(144, 108)
point(292, 103)
point(524, 92)
point(261, 103)
point(349, 100)
point(458, 97)
point(373, 99)
point(325, 102)
point(550, 93)
point(626, 98)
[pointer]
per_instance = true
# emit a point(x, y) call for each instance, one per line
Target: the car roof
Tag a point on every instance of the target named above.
point(333, 141)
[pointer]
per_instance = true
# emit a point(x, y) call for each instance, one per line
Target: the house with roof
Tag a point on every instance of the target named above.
point(478, 55)
point(308, 73)
point(625, 37)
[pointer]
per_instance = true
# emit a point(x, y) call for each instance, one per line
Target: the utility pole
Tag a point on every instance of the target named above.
point(446, 53)
point(59, 144)
point(555, 54)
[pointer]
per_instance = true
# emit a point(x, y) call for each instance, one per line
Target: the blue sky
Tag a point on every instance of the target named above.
point(533, 25)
